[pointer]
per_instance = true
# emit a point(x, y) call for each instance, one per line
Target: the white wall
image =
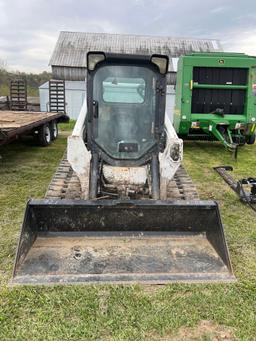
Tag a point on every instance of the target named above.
point(44, 97)
point(74, 92)
point(170, 101)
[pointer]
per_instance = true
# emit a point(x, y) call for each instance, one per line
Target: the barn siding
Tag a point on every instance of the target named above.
point(69, 73)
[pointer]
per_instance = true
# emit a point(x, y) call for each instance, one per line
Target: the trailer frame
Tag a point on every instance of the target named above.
point(9, 132)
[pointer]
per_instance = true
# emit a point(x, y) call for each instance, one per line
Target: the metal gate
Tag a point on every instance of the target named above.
point(57, 96)
point(18, 95)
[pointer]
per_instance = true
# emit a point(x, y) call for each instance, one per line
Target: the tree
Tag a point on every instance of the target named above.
point(3, 64)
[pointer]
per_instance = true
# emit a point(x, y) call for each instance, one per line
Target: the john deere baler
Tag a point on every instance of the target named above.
point(216, 98)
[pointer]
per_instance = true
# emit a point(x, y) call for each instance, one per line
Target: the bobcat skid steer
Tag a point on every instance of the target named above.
point(121, 208)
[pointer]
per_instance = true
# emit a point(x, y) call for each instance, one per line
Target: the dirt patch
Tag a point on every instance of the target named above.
point(152, 289)
point(204, 331)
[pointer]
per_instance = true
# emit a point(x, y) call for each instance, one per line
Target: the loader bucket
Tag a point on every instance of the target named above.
point(66, 241)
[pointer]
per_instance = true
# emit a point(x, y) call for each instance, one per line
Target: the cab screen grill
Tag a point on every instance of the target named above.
point(208, 100)
point(220, 75)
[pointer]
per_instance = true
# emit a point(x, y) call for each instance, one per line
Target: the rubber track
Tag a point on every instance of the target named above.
point(65, 185)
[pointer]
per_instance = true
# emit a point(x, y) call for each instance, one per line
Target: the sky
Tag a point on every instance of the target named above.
point(29, 28)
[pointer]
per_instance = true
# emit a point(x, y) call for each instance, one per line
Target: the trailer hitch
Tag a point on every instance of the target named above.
point(223, 134)
point(248, 197)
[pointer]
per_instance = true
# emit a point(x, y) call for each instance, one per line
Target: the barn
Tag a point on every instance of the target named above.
point(68, 60)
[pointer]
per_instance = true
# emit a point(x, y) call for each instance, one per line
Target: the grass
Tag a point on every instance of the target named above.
point(68, 127)
point(131, 312)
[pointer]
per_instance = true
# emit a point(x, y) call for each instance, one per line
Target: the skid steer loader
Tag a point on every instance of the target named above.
point(121, 208)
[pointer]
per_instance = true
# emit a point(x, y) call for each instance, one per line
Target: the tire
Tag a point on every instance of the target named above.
point(251, 139)
point(44, 135)
point(54, 130)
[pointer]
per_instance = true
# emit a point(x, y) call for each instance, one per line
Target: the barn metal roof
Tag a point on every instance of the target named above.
point(72, 47)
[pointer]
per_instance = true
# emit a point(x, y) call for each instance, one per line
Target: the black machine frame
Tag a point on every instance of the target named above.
point(248, 197)
point(151, 155)
point(126, 60)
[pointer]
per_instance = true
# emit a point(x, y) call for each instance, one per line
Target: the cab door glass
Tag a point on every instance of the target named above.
point(126, 106)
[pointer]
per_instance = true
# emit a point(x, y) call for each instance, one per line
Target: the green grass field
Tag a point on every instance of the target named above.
point(172, 312)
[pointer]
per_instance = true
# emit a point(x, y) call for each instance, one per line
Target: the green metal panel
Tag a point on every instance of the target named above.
point(178, 96)
point(219, 86)
point(209, 122)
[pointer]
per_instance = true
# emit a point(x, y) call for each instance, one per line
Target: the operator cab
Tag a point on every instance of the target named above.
point(126, 106)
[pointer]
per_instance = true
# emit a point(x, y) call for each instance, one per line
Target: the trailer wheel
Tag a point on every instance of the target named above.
point(251, 139)
point(54, 130)
point(44, 135)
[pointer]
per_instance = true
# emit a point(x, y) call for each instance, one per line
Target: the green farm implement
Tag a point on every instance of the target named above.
point(216, 98)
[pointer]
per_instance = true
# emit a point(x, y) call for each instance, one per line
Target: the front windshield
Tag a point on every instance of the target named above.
point(124, 90)
point(124, 128)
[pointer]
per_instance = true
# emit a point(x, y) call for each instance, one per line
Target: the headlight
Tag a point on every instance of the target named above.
point(161, 61)
point(175, 152)
point(93, 58)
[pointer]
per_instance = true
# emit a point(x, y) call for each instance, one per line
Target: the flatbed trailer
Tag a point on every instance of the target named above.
point(42, 125)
